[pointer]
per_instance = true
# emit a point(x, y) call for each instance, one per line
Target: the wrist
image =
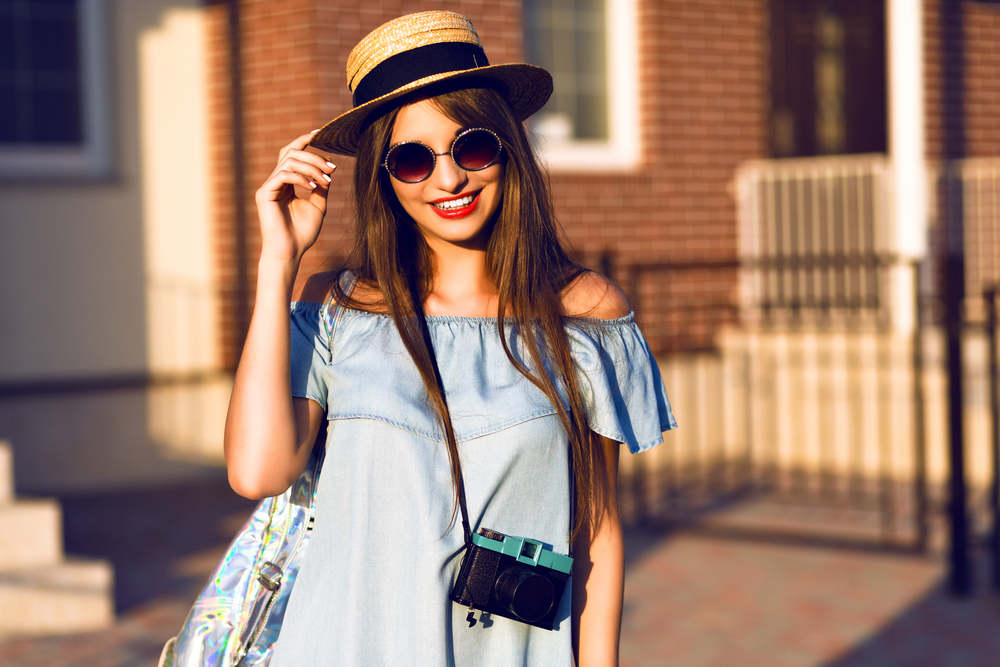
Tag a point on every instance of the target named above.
point(276, 273)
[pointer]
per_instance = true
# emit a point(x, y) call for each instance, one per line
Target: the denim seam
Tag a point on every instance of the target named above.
point(435, 435)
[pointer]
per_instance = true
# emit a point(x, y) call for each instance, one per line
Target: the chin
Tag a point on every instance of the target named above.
point(474, 230)
point(479, 235)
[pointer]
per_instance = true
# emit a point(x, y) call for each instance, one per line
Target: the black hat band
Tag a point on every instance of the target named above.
point(409, 66)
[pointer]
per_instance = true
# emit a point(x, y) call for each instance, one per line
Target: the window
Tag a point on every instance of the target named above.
point(53, 117)
point(591, 121)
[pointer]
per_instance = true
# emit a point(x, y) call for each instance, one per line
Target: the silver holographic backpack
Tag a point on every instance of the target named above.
point(236, 618)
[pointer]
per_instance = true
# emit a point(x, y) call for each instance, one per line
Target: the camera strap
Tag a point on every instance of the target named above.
point(463, 506)
point(572, 501)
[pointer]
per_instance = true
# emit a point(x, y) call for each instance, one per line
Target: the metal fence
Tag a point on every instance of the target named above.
point(794, 422)
point(814, 235)
point(812, 412)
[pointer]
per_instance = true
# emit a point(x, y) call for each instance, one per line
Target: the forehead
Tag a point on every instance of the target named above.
point(422, 121)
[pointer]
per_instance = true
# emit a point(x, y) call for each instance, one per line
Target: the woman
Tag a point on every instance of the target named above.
point(478, 379)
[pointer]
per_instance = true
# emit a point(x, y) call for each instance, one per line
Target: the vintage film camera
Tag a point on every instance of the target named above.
point(513, 577)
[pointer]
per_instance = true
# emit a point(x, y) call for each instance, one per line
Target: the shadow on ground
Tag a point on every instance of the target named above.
point(161, 542)
point(939, 630)
point(695, 596)
point(702, 597)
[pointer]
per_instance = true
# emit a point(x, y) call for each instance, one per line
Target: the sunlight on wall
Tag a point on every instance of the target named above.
point(173, 136)
point(185, 419)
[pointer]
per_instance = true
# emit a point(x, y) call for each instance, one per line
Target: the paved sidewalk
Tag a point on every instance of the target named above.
point(692, 600)
point(701, 601)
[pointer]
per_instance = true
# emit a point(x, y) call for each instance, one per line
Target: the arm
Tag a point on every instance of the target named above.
point(598, 558)
point(269, 435)
point(599, 579)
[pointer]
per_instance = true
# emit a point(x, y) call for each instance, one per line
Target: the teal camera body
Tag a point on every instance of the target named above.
point(513, 577)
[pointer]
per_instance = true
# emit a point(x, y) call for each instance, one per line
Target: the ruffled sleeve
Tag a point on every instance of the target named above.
point(310, 351)
point(621, 383)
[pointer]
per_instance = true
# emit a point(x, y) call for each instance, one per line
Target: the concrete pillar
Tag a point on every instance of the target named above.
point(909, 194)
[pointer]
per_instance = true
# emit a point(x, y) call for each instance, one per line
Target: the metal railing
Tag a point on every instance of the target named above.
point(818, 222)
point(992, 334)
point(796, 412)
point(814, 233)
point(801, 390)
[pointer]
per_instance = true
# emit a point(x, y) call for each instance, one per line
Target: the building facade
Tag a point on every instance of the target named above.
point(127, 264)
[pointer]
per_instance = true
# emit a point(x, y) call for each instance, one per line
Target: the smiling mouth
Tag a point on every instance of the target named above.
point(455, 204)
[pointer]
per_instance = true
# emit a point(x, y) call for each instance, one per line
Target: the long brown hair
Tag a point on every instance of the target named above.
point(526, 259)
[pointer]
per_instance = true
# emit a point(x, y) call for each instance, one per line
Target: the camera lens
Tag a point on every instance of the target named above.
point(527, 595)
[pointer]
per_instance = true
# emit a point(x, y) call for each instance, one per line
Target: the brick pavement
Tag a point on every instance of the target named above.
point(702, 601)
point(692, 599)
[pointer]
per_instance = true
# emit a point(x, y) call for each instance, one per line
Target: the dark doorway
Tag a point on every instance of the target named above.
point(828, 77)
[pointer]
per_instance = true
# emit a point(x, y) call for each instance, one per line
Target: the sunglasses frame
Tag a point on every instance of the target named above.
point(451, 152)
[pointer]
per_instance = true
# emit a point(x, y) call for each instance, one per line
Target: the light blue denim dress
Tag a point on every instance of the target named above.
point(374, 586)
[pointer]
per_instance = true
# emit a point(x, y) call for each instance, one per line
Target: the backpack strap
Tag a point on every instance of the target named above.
point(334, 308)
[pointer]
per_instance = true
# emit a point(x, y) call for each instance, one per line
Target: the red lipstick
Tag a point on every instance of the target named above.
point(456, 212)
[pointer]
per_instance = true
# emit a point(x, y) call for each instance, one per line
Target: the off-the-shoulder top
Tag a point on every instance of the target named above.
point(384, 553)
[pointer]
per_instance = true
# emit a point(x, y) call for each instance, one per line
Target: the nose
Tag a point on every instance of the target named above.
point(449, 176)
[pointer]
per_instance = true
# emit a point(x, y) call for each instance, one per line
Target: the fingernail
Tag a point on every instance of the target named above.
point(314, 132)
point(331, 165)
point(328, 179)
point(311, 184)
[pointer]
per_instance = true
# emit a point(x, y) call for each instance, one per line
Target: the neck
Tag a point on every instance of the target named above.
point(461, 285)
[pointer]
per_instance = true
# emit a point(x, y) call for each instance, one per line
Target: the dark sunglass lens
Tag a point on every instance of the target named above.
point(476, 150)
point(410, 162)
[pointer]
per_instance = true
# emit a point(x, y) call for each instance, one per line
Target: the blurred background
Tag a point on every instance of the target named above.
point(801, 198)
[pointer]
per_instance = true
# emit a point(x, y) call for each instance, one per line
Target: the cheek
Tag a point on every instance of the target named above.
point(405, 196)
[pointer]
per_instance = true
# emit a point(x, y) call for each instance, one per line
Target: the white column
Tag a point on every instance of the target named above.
point(908, 195)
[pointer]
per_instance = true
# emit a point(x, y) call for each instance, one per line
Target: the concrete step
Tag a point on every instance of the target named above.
point(30, 534)
point(40, 592)
point(72, 596)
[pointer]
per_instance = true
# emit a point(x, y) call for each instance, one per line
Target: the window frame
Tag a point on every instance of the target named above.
point(621, 151)
point(92, 158)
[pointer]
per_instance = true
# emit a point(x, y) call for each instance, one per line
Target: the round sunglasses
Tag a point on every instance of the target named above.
point(474, 149)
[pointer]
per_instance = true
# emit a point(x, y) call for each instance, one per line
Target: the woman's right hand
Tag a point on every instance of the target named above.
point(269, 437)
point(290, 224)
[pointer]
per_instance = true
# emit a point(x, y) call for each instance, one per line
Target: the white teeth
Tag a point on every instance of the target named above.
point(455, 203)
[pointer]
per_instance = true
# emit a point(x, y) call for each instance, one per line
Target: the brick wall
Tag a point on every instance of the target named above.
point(982, 57)
point(703, 95)
point(294, 55)
point(981, 92)
point(220, 130)
point(279, 79)
point(341, 26)
point(701, 78)
point(703, 111)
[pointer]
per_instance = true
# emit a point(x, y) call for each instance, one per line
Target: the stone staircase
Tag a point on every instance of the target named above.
point(41, 591)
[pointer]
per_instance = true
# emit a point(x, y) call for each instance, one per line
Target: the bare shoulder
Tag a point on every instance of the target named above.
point(316, 288)
point(592, 295)
point(369, 297)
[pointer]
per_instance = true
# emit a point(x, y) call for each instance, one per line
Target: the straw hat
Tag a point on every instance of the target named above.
point(415, 51)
